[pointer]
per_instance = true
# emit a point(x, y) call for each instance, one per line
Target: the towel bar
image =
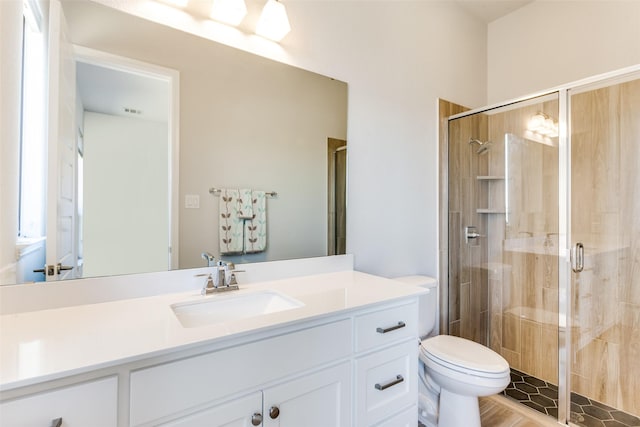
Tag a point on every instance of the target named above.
point(216, 192)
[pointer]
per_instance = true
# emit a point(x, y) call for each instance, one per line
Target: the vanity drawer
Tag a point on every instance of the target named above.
point(163, 390)
point(93, 403)
point(385, 326)
point(406, 418)
point(386, 382)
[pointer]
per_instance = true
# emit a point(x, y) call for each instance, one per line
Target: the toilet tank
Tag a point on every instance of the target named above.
point(427, 304)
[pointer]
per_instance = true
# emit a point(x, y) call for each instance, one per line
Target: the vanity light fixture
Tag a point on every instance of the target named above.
point(273, 23)
point(543, 125)
point(178, 3)
point(230, 12)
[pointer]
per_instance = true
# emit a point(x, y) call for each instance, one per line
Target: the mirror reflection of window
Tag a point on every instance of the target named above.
point(80, 200)
point(32, 144)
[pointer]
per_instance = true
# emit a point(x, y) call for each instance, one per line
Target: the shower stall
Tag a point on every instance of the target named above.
point(541, 244)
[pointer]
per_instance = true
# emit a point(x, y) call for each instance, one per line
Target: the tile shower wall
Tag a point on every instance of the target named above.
point(468, 280)
point(605, 135)
point(503, 289)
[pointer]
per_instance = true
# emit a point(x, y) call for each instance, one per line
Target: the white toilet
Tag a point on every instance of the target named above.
point(454, 371)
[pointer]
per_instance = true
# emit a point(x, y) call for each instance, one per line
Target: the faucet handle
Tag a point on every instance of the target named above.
point(229, 277)
point(209, 284)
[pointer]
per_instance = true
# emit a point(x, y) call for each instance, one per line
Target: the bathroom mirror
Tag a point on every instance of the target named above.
point(244, 122)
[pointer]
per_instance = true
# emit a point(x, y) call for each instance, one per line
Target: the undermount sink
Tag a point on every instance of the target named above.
point(226, 308)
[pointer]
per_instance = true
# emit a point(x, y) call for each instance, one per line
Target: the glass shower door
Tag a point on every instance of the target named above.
point(604, 356)
point(503, 227)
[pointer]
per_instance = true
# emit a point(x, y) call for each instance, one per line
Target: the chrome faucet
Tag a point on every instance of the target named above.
point(222, 279)
point(211, 260)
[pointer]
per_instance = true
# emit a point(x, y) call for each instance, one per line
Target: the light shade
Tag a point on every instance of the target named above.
point(273, 23)
point(179, 3)
point(229, 11)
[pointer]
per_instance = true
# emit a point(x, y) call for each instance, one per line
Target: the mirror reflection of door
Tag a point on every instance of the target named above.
point(337, 193)
point(126, 182)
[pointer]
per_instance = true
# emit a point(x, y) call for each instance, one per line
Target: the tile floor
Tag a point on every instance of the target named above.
point(543, 397)
point(498, 411)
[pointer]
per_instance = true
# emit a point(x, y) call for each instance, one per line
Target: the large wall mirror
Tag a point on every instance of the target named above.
point(144, 169)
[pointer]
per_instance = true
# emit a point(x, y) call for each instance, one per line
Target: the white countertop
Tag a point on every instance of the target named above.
point(50, 344)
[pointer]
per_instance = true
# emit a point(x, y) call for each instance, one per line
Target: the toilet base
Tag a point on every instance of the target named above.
point(457, 410)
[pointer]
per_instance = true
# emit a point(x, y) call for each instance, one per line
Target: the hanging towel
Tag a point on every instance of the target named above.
point(255, 229)
point(231, 227)
point(245, 206)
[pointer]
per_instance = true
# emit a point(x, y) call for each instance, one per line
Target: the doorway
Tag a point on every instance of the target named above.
point(337, 196)
point(126, 112)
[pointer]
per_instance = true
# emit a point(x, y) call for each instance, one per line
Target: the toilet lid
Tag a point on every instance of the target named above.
point(465, 354)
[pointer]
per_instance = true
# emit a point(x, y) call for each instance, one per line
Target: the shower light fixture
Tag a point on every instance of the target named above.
point(230, 12)
point(273, 23)
point(543, 125)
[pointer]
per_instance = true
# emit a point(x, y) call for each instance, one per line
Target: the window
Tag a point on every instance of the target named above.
point(33, 165)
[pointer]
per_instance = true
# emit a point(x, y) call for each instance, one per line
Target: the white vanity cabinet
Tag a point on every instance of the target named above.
point(347, 358)
point(319, 399)
point(358, 370)
point(92, 404)
point(386, 364)
point(244, 411)
point(169, 390)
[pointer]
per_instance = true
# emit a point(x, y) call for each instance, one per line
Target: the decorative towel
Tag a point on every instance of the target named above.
point(231, 227)
point(245, 207)
point(255, 229)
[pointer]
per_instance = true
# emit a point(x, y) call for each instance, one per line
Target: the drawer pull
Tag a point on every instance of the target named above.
point(390, 328)
point(56, 423)
point(398, 380)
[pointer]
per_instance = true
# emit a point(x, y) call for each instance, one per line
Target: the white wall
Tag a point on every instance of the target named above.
point(126, 218)
point(398, 57)
point(549, 43)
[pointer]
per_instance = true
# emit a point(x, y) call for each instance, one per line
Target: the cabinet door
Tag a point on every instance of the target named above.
point(407, 418)
point(91, 404)
point(243, 412)
point(321, 399)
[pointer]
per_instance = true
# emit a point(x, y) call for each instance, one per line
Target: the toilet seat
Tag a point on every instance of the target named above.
point(464, 356)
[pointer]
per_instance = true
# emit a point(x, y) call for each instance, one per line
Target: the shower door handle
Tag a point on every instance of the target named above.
point(577, 258)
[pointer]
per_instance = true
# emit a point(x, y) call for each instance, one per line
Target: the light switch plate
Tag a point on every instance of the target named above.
point(192, 201)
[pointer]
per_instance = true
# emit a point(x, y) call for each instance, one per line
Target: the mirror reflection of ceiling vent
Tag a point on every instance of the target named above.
point(132, 111)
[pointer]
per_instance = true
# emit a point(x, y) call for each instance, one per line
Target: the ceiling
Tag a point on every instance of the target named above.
point(490, 10)
point(119, 93)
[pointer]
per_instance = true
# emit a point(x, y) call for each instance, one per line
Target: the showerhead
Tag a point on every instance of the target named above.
point(483, 146)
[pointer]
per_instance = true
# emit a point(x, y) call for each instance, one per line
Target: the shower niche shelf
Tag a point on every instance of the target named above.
point(492, 179)
point(490, 211)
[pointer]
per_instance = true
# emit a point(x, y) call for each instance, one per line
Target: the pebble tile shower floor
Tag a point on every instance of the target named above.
point(543, 397)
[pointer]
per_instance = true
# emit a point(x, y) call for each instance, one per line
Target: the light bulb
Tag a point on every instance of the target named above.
point(273, 23)
point(536, 122)
point(230, 12)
